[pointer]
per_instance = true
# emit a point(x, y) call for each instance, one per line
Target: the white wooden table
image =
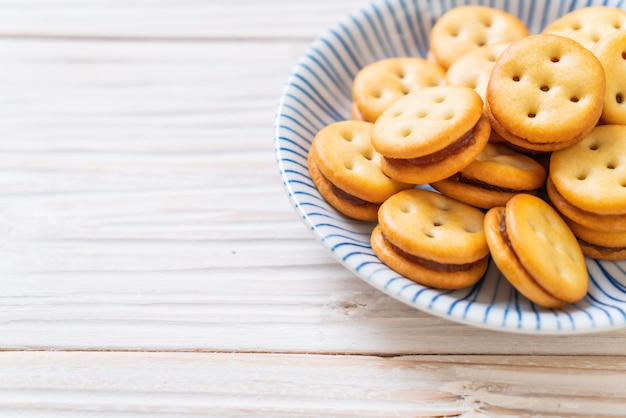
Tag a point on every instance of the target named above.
point(151, 264)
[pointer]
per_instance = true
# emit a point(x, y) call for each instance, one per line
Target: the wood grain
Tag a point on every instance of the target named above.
point(212, 384)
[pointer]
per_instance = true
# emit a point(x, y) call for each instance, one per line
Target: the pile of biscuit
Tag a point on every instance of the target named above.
point(520, 138)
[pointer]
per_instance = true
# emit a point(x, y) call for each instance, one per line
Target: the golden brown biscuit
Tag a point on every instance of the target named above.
point(536, 251)
point(431, 134)
point(611, 51)
point(497, 174)
point(588, 25)
point(345, 168)
point(601, 245)
point(591, 175)
point(431, 239)
point(381, 83)
point(464, 28)
point(596, 221)
point(536, 98)
point(473, 69)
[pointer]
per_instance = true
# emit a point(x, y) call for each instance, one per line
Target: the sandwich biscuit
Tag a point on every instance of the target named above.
point(536, 97)
point(464, 28)
point(431, 134)
point(345, 168)
point(431, 239)
point(497, 174)
point(379, 84)
point(536, 251)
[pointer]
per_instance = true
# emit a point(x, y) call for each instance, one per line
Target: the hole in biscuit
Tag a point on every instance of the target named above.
point(422, 114)
point(617, 25)
point(470, 229)
point(396, 113)
point(582, 176)
point(377, 94)
point(349, 165)
point(447, 116)
point(405, 209)
point(400, 72)
point(439, 99)
point(406, 90)
point(619, 98)
point(555, 59)
point(612, 165)
point(624, 55)
point(429, 234)
point(544, 88)
point(405, 132)
point(622, 183)
point(574, 99)
point(347, 136)
point(532, 115)
point(443, 206)
point(516, 78)
point(594, 146)
point(595, 37)
point(576, 25)
point(437, 224)
point(368, 154)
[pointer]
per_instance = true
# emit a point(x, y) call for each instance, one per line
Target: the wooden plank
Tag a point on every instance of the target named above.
point(214, 384)
point(191, 19)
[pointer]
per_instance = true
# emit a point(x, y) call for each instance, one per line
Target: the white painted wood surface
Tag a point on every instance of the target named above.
point(151, 264)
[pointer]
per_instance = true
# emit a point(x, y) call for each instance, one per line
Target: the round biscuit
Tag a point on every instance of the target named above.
point(598, 222)
point(546, 247)
point(611, 51)
point(608, 239)
point(535, 97)
point(499, 172)
point(599, 253)
point(426, 121)
point(472, 195)
point(464, 28)
point(473, 69)
point(365, 211)
point(510, 266)
point(405, 171)
point(591, 175)
point(423, 275)
point(504, 167)
point(588, 25)
point(380, 84)
point(344, 154)
point(434, 227)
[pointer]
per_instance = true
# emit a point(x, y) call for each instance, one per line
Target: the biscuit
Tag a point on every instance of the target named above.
point(497, 174)
point(536, 97)
point(381, 83)
point(601, 245)
point(591, 175)
point(611, 51)
point(464, 28)
point(355, 113)
point(536, 251)
point(473, 69)
point(345, 168)
point(595, 221)
point(431, 134)
point(431, 239)
point(588, 25)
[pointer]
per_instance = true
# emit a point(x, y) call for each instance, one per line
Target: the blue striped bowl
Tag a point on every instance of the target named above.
point(319, 92)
